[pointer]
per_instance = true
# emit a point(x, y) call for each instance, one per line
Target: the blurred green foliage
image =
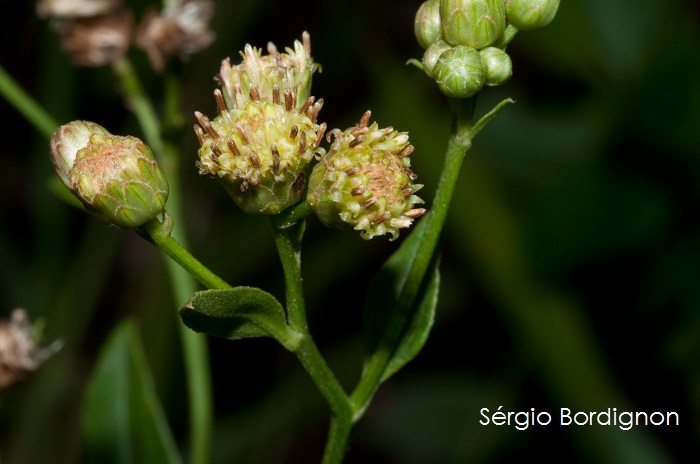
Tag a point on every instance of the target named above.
point(571, 255)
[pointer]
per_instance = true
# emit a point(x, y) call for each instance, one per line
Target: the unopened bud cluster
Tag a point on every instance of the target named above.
point(461, 38)
point(116, 178)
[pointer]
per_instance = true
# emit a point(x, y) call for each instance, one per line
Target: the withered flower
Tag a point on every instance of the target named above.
point(96, 40)
point(179, 30)
point(19, 352)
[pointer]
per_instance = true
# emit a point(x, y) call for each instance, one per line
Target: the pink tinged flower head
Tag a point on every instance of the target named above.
point(365, 181)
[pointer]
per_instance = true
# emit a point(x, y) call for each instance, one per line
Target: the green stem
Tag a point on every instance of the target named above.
point(507, 36)
point(457, 146)
point(159, 233)
point(26, 105)
point(139, 103)
point(194, 346)
point(288, 241)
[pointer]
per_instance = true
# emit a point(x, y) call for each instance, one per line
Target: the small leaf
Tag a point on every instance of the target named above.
point(239, 312)
point(381, 305)
point(416, 334)
point(122, 419)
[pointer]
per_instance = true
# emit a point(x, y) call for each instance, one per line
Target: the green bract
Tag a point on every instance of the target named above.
point(498, 65)
point(459, 72)
point(427, 26)
point(475, 23)
point(116, 178)
point(364, 182)
point(531, 14)
point(432, 54)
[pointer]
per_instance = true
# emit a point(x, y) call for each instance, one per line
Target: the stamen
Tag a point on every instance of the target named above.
point(352, 171)
point(364, 120)
point(319, 134)
point(369, 202)
point(382, 218)
point(254, 159)
point(275, 159)
point(415, 213)
point(220, 103)
point(359, 190)
point(294, 132)
point(406, 151)
point(302, 142)
point(288, 99)
point(232, 146)
point(309, 101)
point(356, 131)
point(276, 95)
point(241, 131)
point(254, 93)
point(355, 142)
point(204, 122)
point(200, 134)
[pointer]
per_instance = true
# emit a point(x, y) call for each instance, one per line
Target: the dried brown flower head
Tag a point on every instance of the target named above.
point(97, 40)
point(76, 8)
point(181, 29)
point(19, 353)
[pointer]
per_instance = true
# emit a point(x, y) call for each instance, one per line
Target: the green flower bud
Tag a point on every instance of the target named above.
point(459, 72)
point(432, 54)
point(66, 142)
point(427, 26)
point(116, 178)
point(498, 65)
point(475, 23)
point(259, 150)
point(282, 71)
point(531, 14)
point(364, 182)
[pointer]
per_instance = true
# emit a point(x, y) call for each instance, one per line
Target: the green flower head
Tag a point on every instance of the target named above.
point(116, 178)
point(266, 132)
point(259, 150)
point(365, 182)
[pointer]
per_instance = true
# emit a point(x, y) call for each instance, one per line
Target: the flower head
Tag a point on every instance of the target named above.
point(264, 137)
point(364, 182)
point(20, 353)
point(116, 178)
point(181, 29)
point(528, 15)
point(259, 149)
point(291, 70)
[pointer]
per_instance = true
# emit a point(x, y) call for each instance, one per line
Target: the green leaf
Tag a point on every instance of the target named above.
point(239, 312)
point(416, 334)
point(381, 305)
point(122, 419)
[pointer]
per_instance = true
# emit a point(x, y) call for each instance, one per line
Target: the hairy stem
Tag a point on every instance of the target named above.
point(288, 241)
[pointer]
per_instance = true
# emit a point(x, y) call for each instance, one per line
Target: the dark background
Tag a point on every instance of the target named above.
point(570, 271)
